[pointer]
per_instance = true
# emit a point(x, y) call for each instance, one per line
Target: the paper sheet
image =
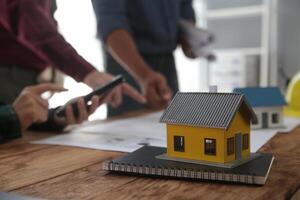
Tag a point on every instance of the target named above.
point(143, 126)
point(130, 134)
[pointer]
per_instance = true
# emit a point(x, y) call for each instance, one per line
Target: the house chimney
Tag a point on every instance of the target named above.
point(213, 88)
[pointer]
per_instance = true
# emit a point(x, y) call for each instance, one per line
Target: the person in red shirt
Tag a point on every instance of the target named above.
point(30, 42)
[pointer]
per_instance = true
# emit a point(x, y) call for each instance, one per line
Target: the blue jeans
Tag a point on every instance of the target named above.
point(164, 64)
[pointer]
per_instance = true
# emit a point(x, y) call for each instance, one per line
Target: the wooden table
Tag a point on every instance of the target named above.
point(60, 172)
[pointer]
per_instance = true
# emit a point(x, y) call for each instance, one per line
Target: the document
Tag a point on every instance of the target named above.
point(198, 39)
point(128, 135)
point(125, 135)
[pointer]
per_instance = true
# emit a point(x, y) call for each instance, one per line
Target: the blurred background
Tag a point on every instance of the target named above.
point(256, 44)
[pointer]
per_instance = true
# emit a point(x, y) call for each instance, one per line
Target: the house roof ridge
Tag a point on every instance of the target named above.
point(262, 96)
point(205, 109)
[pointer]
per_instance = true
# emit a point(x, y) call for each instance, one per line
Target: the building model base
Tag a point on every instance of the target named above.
point(227, 165)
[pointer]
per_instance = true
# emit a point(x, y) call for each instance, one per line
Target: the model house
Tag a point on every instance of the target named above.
point(267, 103)
point(208, 127)
point(293, 97)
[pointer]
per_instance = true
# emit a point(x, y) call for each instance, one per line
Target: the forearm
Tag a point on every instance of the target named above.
point(40, 34)
point(123, 48)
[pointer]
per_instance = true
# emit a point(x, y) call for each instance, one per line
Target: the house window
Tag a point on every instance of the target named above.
point(245, 141)
point(255, 121)
point(210, 146)
point(230, 146)
point(179, 143)
point(275, 118)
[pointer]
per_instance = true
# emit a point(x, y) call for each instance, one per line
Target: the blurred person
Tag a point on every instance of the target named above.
point(30, 111)
point(139, 38)
point(30, 42)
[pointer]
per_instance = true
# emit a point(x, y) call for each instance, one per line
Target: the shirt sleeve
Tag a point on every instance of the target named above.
point(187, 11)
point(111, 15)
point(10, 127)
point(38, 32)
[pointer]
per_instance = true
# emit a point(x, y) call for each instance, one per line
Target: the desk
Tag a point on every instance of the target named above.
point(60, 172)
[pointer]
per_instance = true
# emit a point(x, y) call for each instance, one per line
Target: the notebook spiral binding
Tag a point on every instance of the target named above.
point(181, 173)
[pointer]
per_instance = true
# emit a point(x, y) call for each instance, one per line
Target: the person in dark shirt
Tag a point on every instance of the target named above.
point(30, 42)
point(30, 111)
point(139, 38)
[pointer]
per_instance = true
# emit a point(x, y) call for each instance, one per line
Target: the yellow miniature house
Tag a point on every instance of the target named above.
point(293, 97)
point(208, 127)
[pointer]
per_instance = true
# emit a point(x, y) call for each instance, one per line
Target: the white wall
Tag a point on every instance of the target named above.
point(77, 24)
point(270, 110)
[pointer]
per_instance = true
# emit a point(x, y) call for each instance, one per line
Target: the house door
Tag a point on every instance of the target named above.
point(238, 146)
point(265, 120)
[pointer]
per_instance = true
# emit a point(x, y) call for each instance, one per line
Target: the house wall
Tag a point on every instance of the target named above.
point(270, 110)
point(238, 125)
point(194, 142)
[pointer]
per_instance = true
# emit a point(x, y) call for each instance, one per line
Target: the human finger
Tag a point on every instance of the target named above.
point(42, 102)
point(82, 111)
point(27, 97)
point(70, 115)
point(153, 97)
point(40, 114)
point(133, 93)
point(107, 98)
point(95, 104)
point(116, 97)
point(41, 88)
point(190, 53)
point(164, 90)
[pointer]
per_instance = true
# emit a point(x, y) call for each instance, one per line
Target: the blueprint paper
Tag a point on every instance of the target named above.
point(143, 126)
point(109, 142)
point(127, 135)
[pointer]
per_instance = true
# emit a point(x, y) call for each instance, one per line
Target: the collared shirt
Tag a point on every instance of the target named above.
point(29, 38)
point(152, 23)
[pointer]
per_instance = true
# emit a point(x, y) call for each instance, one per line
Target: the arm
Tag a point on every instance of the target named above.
point(123, 48)
point(115, 33)
point(30, 110)
point(154, 85)
point(38, 32)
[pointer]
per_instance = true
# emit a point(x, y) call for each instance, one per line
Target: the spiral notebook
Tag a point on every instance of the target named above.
point(144, 162)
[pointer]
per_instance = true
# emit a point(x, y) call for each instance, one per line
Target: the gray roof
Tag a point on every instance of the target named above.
point(215, 110)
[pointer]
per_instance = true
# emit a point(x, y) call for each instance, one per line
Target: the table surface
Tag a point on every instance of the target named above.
point(61, 172)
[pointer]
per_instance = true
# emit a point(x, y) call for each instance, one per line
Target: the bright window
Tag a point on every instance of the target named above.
point(179, 143)
point(210, 146)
